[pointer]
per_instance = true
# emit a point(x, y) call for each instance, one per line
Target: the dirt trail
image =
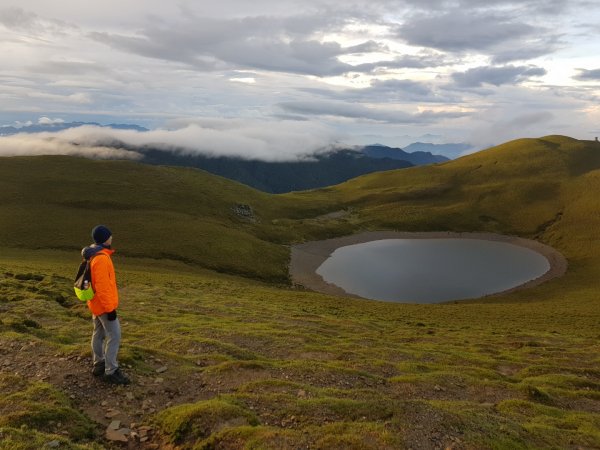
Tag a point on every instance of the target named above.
point(132, 406)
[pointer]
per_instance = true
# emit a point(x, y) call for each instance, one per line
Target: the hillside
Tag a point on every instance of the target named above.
point(255, 364)
point(279, 177)
point(416, 158)
point(158, 212)
point(451, 151)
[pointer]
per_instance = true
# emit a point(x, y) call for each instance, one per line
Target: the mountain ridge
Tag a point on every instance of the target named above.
point(313, 171)
point(59, 126)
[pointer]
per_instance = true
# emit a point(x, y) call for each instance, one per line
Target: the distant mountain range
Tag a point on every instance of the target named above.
point(53, 127)
point(279, 177)
point(415, 157)
point(321, 170)
point(451, 151)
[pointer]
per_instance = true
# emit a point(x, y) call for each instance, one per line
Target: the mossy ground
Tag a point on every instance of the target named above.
point(270, 367)
point(261, 364)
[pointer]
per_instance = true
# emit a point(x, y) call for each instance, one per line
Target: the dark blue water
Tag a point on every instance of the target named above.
point(431, 270)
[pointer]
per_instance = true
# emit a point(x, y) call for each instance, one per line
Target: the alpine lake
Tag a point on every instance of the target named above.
point(431, 270)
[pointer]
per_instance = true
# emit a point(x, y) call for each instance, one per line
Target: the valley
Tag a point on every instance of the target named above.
point(225, 352)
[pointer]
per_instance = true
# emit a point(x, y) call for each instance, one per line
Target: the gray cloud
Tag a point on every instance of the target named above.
point(537, 7)
point(402, 91)
point(268, 43)
point(404, 62)
point(496, 76)
point(18, 18)
point(68, 68)
point(54, 144)
point(502, 129)
point(505, 37)
point(459, 30)
point(21, 20)
point(588, 75)
point(399, 89)
point(357, 111)
point(146, 61)
point(389, 91)
point(248, 139)
point(526, 120)
point(281, 44)
point(533, 49)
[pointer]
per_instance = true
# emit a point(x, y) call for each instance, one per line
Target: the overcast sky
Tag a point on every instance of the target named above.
point(282, 77)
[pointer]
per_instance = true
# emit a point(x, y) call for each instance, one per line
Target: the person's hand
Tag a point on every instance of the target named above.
point(112, 315)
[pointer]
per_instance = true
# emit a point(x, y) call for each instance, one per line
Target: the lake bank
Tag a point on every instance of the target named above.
point(307, 257)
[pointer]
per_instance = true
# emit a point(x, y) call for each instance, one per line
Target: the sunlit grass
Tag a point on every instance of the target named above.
point(284, 368)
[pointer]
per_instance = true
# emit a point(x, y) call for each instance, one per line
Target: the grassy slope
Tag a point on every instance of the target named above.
point(162, 212)
point(281, 368)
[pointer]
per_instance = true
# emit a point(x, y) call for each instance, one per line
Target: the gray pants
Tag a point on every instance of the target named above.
point(105, 342)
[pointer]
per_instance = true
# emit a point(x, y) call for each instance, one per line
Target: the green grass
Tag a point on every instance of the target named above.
point(39, 405)
point(35, 413)
point(274, 366)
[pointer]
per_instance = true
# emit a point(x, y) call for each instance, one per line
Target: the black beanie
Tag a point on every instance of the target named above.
point(101, 234)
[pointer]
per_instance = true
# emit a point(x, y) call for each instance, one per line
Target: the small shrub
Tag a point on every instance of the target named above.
point(197, 421)
point(31, 323)
point(29, 277)
point(537, 395)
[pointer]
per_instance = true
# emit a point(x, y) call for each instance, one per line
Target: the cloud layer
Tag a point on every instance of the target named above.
point(380, 69)
point(283, 141)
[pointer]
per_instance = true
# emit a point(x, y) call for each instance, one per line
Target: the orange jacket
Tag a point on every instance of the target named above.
point(104, 283)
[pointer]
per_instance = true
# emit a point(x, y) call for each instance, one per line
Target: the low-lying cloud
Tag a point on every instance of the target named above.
point(37, 144)
point(264, 140)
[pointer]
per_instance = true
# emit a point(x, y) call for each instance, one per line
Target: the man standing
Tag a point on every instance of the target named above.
point(106, 337)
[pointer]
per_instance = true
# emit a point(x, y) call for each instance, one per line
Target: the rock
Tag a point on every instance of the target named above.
point(112, 413)
point(129, 396)
point(144, 431)
point(301, 393)
point(144, 439)
point(53, 444)
point(244, 212)
point(115, 424)
point(116, 435)
point(158, 380)
point(161, 369)
point(104, 403)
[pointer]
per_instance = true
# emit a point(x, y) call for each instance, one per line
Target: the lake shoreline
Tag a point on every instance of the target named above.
point(308, 256)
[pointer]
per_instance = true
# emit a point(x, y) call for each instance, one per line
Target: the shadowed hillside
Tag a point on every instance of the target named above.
point(222, 361)
point(278, 177)
point(157, 212)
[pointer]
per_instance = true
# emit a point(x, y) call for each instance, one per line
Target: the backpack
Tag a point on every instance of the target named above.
point(83, 281)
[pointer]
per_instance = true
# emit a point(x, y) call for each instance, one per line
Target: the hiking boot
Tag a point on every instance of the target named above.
point(117, 377)
point(98, 369)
